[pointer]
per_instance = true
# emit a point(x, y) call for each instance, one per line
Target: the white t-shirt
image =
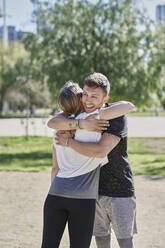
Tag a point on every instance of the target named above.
point(72, 163)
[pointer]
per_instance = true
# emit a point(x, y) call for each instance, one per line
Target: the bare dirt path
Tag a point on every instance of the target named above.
point(21, 200)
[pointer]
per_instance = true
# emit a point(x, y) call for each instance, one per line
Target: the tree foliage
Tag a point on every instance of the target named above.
point(77, 38)
point(159, 57)
point(8, 68)
point(16, 84)
point(25, 92)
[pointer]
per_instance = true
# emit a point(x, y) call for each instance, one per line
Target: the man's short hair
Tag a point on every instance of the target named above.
point(98, 80)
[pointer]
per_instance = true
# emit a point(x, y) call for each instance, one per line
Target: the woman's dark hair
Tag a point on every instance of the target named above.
point(70, 99)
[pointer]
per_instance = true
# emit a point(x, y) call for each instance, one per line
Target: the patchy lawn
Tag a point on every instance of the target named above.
point(147, 155)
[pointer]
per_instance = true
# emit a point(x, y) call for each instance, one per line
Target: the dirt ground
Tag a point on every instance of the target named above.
point(21, 200)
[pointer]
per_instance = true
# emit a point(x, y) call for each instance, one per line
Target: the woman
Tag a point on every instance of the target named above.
point(74, 187)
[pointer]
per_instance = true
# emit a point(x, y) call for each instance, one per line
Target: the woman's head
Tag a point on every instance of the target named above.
point(70, 98)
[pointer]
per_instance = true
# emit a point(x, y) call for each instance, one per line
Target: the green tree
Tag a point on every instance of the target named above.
point(158, 56)
point(17, 86)
point(8, 68)
point(79, 37)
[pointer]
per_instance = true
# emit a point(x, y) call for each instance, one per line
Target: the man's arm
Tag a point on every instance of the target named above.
point(90, 149)
point(55, 167)
point(115, 110)
point(60, 122)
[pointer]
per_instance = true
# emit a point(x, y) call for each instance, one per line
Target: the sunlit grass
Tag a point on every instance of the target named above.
point(147, 113)
point(147, 156)
point(18, 154)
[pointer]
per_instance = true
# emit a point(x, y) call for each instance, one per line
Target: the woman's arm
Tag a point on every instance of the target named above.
point(115, 110)
point(55, 167)
point(60, 122)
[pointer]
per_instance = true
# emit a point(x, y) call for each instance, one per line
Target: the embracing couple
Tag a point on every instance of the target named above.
point(92, 187)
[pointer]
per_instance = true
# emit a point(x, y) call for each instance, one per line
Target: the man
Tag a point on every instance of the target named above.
point(116, 205)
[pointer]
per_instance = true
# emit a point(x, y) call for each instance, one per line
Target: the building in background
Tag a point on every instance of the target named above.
point(160, 13)
point(154, 9)
point(13, 35)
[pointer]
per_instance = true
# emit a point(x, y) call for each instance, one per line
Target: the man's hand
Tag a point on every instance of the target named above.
point(62, 139)
point(93, 124)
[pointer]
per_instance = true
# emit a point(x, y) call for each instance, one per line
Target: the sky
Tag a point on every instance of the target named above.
point(20, 12)
point(150, 5)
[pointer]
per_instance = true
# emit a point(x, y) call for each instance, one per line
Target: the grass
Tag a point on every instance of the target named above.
point(18, 154)
point(147, 155)
point(146, 114)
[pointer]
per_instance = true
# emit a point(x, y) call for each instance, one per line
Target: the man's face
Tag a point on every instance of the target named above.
point(93, 98)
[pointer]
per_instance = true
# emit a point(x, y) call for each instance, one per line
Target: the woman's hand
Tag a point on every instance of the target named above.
point(62, 138)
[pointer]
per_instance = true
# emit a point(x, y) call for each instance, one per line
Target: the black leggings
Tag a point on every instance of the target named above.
point(79, 213)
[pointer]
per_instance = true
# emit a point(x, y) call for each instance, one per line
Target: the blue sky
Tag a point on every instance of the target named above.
point(19, 12)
